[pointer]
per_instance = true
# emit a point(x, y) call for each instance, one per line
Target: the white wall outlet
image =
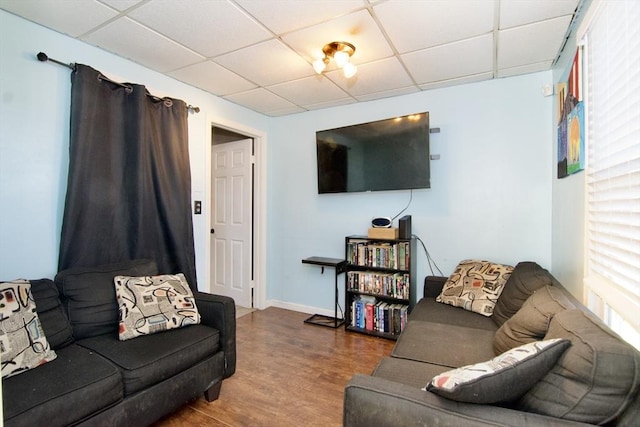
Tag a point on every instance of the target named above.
point(547, 90)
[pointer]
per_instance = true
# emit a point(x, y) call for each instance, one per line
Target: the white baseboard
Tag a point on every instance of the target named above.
point(300, 308)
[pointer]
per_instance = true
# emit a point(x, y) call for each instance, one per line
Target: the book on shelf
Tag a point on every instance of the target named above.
point(378, 254)
point(394, 285)
point(369, 316)
point(380, 316)
point(359, 310)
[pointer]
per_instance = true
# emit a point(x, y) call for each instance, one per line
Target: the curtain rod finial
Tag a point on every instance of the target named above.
point(42, 57)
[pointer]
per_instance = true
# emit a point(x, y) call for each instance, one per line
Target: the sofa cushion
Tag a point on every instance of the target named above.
point(501, 379)
point(54, 321)
point(149, 359)
point(405, 371)
point(75, 385)
point(152, 304)
point(524, 280)
point(594, 380)
point(531, 322)
point(428, 310)
point(475, 286)
point(91, 298)
point(23, 344)
point(445, 345)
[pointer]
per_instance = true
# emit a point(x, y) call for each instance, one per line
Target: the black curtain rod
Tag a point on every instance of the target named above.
point(42, 57)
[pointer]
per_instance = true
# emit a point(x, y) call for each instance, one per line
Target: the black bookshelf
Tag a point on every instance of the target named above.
point(380, 284)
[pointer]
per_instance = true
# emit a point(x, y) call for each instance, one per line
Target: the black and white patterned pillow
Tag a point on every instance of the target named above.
point(475, 286)
point(502, 379)
point(152, 304)
point(23, 345)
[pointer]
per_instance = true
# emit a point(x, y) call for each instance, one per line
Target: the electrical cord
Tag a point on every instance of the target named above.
point(430, 260)
point(405, 208)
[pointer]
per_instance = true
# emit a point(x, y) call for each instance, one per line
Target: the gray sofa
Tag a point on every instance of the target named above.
point(595, 381)
point(98, 380)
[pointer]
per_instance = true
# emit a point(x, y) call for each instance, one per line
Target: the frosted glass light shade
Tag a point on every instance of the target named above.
point(319, 65)
point(349, 70)
point(341, 58)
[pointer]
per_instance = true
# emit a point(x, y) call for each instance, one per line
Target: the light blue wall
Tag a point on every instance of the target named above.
point(568, 204)
point(34, 140)
point(490, 195)
point(491, 190)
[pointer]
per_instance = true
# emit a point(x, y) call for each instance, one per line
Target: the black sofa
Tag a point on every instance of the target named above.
point(595, 381)
point(99, 380)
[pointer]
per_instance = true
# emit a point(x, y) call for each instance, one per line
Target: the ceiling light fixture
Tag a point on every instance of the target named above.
point(340, 52)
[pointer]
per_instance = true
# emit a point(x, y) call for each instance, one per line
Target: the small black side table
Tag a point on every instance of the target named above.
point(340, 267)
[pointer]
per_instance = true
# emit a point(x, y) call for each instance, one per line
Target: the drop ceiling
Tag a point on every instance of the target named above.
point(258, 53)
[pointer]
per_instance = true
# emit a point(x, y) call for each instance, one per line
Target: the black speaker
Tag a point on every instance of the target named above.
point(381, 222)
point(404, 225)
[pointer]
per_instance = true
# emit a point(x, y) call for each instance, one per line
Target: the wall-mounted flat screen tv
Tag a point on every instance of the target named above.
point(391, 154)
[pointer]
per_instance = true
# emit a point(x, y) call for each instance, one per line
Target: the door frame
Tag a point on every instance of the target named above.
point(259, 249)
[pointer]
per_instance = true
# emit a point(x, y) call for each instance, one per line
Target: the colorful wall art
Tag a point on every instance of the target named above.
point(571, 130)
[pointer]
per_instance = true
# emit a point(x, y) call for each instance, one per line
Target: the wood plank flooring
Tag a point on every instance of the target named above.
point(288, 373)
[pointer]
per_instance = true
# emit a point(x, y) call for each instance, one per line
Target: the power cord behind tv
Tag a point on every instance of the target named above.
point(405, 208)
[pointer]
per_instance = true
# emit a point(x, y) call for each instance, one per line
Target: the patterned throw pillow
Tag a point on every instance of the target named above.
point(23, 345)
point(151, 304)
point(502, 379)
point(475, 286)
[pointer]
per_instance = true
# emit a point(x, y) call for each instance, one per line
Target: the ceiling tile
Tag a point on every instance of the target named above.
point(450, 61)
point(310, 90)
point(208, 27)
point(542, 41)
point(373, 77)
point(336, 103)
point(285, 112)
point(150, 48)
point(521, 12)
point(388, 93)
point(212, 77)
point(357, 28)
point(122, 4)
point(414, 25)
point(266, 63)
point(66, 16)
point(262, 100)
point(459, 81)
point(299, 14)
point(524, 69)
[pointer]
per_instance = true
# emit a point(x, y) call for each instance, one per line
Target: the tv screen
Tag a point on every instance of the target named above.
point(391, 154)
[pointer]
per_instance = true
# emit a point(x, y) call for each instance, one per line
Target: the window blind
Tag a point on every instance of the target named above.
point(612, 55)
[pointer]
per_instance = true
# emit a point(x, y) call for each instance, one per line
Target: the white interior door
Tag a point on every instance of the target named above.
point(231, 222)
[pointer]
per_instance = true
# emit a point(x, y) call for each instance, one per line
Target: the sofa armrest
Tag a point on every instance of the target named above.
point(219, 312)
point(433, 286)
point(377, 401)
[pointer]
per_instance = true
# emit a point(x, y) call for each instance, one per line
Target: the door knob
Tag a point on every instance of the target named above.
point(213, 231)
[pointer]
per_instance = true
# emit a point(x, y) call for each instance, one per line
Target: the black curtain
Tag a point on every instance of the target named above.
point(129, 185)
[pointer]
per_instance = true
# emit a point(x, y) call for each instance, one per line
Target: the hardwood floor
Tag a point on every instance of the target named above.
point(288, 373)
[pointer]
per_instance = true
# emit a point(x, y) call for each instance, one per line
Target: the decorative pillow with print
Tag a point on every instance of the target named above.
point(475, 286)
point(151, 304)
point(502, 379)
point(23, 345)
